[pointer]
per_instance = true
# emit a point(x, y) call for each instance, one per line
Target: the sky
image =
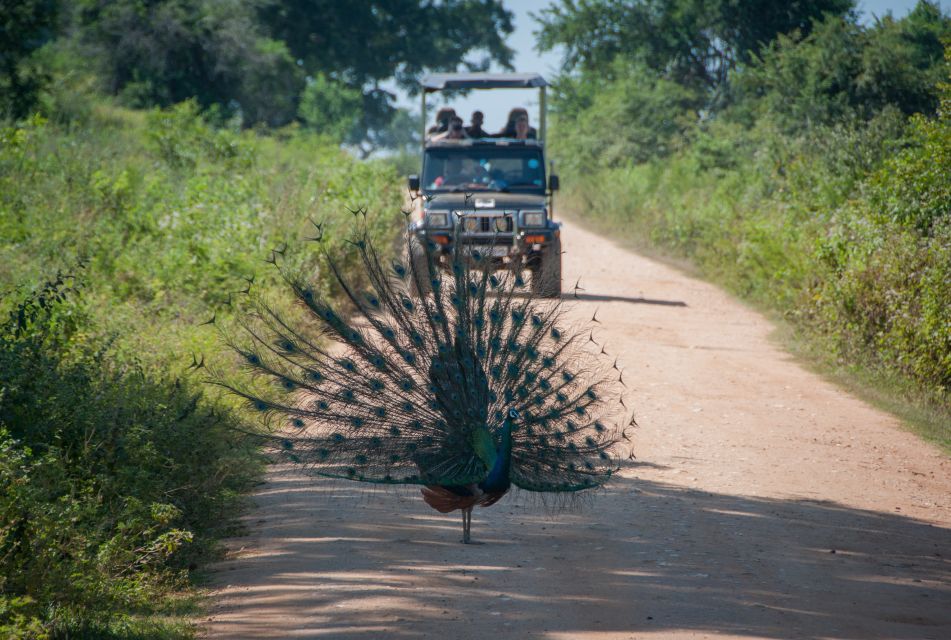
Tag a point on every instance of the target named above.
point(496, 104)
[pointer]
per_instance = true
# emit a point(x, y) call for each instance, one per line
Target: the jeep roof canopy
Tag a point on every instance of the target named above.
point(463, 81)
point(443, 81)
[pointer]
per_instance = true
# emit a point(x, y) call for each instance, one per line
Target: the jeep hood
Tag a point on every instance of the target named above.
point(502, 200)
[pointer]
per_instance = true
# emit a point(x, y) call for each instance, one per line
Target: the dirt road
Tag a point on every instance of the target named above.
point(764, 502)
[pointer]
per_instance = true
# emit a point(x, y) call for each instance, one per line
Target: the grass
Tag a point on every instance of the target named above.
point(840, 232)
point(121, 234)
point(744, 233)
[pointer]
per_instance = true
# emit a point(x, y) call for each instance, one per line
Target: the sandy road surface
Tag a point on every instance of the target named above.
point(750, 472)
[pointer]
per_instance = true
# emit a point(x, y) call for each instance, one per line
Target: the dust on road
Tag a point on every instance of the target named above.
point(764, 502)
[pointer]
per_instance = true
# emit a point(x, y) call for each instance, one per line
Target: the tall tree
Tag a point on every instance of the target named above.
point(843, 70)
point(260, 57)
point(366, 42)
point(166, 51)
point(361, 44)
point(693, 42)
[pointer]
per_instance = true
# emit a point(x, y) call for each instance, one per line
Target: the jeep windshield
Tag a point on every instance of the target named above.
point(484, 168)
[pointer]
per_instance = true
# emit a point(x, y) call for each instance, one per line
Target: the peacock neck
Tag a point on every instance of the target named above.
point(498, 477)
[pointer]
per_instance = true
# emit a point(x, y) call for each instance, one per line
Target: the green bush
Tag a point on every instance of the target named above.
point(638, 116)
point(330, 108)
point(113, 480)
point(812, 179)
point(887, 261)
point(843, 228)
point(119, 472)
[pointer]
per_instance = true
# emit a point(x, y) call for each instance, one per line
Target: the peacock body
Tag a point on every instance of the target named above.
point(466, 391)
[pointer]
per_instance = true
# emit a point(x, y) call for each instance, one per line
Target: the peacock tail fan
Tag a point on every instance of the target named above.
point(391, 386)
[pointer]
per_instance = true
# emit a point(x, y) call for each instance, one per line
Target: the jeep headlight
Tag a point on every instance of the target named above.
point(437, 219)
point(533, 218)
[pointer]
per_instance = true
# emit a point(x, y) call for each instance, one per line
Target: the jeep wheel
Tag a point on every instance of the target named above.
point(546, 275)
point(419, 277)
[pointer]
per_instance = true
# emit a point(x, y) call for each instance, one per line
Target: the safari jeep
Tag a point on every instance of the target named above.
point(489, 194)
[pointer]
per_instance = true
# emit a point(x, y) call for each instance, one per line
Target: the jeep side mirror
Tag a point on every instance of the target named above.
point(413, 182)
point(553, 182)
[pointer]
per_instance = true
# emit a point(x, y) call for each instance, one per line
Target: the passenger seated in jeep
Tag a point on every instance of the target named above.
point(476, 130)
point(443, 117)
point(456, 131)
point(509, 131)
point(522, 130)
point(454, 173)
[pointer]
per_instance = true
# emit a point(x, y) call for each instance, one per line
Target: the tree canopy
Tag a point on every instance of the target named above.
point(367, 42)
point(359, 45)
point(841, 70)
point(692, 42)
point(642, 77)
point(263, 60)
point(161, 52)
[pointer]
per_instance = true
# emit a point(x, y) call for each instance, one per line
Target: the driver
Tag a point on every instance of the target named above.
point(453, 173)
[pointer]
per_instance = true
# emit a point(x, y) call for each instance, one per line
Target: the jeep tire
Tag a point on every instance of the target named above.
point(420, 284)
point(546, 274)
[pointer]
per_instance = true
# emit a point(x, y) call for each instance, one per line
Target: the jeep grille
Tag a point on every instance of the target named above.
point(487, 224)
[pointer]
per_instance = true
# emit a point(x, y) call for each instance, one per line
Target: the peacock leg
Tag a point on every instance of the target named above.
point(466, 524)
point(467, 527)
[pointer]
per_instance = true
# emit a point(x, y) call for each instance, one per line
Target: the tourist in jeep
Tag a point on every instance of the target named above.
point(443, 118)
point(522, 130)
point(509, 130)
point(476, 130)
point(456, 131)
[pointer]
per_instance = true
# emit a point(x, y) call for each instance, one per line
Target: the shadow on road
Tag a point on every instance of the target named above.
point(644, 557)
point(597, 297)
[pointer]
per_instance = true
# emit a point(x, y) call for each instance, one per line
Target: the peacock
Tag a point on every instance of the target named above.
point(467, 389)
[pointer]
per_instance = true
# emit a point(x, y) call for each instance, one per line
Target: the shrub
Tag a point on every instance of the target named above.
point(118, 473)
point(115, 479)
point(844, 229)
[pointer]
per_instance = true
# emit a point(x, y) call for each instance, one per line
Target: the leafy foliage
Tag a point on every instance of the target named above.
point(842, 70)
point(113, 479)
point(119, 473)
point(634, 102)
point(360, 45)
point(637, 116)
point(368, 42)
point(274, 62)
point(695, 43)
point(161, 53)
point(819, 188)
point(256, 62)
point(888, 264)
point(25, 25)
point(330, 108)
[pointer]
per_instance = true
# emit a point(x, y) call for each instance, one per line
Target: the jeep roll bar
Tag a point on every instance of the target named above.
point(453, 81)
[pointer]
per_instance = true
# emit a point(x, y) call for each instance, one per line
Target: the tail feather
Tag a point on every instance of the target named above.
point(413, 380)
